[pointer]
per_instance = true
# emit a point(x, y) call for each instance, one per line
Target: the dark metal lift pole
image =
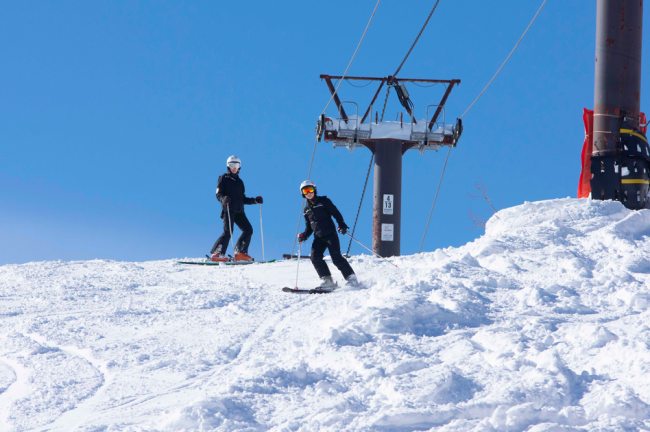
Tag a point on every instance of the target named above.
point(387, 198)
point(619, 25)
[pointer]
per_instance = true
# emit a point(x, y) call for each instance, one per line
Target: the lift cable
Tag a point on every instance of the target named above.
point(435, 199)
point(313, 153)
point(365, 184)
point(506, 60)
point(359, 86)
point(353, 56)
point(385, 102)
point(481, 94)
point(417, 38)
point(372, 158)
point(427, 86)
point(383, 111)
point(336, 90)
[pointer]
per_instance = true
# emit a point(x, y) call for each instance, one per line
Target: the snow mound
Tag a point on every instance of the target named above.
point(539, 325)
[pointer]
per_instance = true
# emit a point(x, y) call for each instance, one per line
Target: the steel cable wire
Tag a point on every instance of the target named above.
point(435, 199)
point(475, 100)
point(385, 102)
point(427, 86)
point(359, 86)
point(352, 59)
point(417, 38)
point(383, 111)
point(313, 153)
point(506, 60)
point(372, 158)
point(365, 185)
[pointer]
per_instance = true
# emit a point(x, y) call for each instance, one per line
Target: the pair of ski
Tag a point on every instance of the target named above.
point(321, 290)
point(308, 291)
point(209, 262)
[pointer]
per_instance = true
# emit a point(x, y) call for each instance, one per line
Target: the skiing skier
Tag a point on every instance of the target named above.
point(231, 195)
point(318, 220)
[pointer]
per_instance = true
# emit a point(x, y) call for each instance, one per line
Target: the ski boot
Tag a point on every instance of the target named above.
point(352, 281)
point(242, 257)
point(327, 283)
point(217, 257)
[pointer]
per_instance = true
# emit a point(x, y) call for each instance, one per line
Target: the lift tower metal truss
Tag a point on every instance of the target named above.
point(621, 155)
point(389, 141)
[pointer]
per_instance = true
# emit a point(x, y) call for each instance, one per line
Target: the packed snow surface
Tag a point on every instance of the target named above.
point(539, 325)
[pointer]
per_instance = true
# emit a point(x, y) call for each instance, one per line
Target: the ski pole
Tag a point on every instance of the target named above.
point(232, 241)
point(379, 256)
point(298, 266)
point(262, 232)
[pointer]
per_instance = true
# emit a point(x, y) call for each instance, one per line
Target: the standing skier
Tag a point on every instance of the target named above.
point(230, 193)
point(318, 220)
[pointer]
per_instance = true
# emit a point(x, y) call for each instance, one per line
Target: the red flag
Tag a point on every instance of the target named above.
point(584, 187)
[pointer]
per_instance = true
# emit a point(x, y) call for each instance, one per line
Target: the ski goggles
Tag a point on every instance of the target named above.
point(234, 165)
point(308, 189)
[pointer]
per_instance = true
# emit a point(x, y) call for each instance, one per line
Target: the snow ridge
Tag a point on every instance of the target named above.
point(539, 325)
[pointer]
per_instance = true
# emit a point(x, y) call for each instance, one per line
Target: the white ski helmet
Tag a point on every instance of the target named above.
point(307, 183)
point(233, 160)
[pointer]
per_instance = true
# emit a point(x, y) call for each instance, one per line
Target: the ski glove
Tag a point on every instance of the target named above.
point(343, 229)
point(226, 200)
point(301, 238)
point(259, 200)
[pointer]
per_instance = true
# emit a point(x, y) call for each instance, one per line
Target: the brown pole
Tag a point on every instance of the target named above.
point(337, 101)
point(387, 198)
point(619, 25)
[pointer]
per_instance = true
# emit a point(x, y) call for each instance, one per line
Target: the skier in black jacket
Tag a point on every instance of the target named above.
point(231, 194)
point(318, 220)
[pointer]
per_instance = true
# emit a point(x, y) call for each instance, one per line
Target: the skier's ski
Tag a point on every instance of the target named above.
point(248, 262)
point(213, 263)
point(307, 291)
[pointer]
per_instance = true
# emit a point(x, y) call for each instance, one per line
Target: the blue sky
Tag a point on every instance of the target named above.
point(116, 118)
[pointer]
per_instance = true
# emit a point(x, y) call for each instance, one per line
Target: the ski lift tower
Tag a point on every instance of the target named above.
point(388, 141)
point(620, 163)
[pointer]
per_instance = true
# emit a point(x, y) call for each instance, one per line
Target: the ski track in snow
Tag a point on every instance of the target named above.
point(70, 419)
point(16, 388)
point(539, 325)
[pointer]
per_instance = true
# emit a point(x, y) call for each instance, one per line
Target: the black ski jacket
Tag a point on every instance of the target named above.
point(318, 217)
point(230, 185)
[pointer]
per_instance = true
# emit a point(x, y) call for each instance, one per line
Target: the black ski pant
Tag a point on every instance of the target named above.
point(330, 242)
point(244, 225)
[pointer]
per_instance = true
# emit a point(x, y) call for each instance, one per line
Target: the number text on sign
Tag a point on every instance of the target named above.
point(388, 204)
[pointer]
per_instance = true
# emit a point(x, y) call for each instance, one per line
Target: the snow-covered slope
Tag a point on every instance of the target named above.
point(539, 325)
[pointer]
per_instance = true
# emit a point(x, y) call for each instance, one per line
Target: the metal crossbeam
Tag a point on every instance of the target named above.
point(391, 80)
point(455, 81)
